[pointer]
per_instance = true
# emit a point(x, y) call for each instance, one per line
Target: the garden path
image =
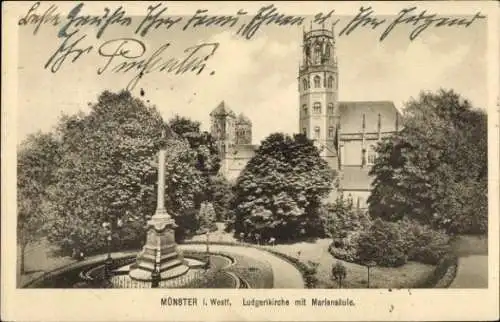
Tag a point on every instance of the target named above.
point(472, 272)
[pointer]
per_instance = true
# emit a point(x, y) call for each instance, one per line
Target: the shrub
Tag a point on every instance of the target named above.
point(339, 273)
point(346, 248)
point(342, 218)
point(383, 244)
point(422, 243)
point(443, 275)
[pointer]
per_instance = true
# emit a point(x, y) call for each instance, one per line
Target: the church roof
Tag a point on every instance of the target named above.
point(222, 110)
point(355, 178)
point(242, 119)
point(351, 116)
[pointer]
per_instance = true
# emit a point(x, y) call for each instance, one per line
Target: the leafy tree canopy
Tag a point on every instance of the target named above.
point(435, 169)
point(279, 192)
point(202, 142)
point(37, 161)
point(108, 171)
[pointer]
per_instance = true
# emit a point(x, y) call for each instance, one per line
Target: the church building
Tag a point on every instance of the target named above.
point(345, 132)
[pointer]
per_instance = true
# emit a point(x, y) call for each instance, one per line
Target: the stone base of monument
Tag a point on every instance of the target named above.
point(160, 251)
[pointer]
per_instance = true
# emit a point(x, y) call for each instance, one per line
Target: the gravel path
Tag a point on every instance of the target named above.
point(472, 272)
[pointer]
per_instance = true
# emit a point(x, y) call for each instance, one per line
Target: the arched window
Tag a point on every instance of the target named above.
point(304, 84)
point(304, 108)
point(317, 81)
point(317, 107)
point(372, 155)
point(330, 132)
point(330, 108)
point(316, 132)
point(327, 52)
point(330, 82)
point(317, 54)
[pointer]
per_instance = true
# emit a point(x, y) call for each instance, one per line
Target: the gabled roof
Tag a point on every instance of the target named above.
point(355, 178)
point(351, 116)
point(222, 110)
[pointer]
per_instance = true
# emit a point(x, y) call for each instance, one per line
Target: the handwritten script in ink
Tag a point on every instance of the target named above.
point(81, 34)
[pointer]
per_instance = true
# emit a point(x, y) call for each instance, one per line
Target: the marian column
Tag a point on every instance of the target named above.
point(160, 240)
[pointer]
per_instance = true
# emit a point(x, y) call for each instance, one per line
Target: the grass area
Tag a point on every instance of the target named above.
point(405, 276)
point(466, 245)
point(39, 259)
point(258, 274)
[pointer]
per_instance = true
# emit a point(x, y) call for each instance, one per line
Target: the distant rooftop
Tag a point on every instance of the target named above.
point(222, 110)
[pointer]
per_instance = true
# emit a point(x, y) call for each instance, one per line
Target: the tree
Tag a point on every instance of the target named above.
point(108, 171)
point(429, 170)
point(206, 217)
point(37, 161)
point(339, 273)
point(202, 142)
point(280, 190)
point(221, 191)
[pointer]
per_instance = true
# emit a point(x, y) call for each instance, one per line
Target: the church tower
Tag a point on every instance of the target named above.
point(243, 130)
point(319, 114)
point(223, 130)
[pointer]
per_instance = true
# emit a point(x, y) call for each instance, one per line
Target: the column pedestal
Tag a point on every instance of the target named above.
point(160, 241)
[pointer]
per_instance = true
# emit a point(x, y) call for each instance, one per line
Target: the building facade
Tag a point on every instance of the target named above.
point(346, 133)
point(233, 135)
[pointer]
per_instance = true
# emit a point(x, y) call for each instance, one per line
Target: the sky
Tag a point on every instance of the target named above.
point(257, 77)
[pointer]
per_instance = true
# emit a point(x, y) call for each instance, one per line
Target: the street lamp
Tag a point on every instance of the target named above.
point(109, 232)
point(208, 249)
point(155, 275)
point(368, 266)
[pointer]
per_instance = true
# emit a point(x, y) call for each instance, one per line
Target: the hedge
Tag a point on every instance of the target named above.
point(443, 275)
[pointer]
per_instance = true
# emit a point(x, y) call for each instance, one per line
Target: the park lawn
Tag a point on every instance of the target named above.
point(257, 273)
point(466, 245)
point(405, 276)
point(39, 258)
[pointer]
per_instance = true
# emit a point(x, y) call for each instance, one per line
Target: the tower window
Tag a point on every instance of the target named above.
point(330, 82)
point(330, 132)
point(330, 108)
point(317, 107)
point(304, 108)
point(304, 83)
point(317, 81)
point(316, 132)
point(304, 131)
point(317, 54)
